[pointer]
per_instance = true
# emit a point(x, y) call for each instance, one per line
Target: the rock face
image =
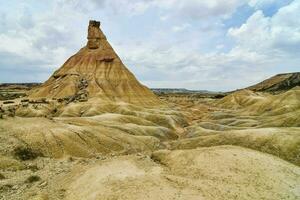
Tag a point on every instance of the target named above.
point(278, 83)
point(95, 71)
point(94, 35)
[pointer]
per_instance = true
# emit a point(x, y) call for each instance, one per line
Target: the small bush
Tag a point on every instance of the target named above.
point(2, 176)
point(25, 153)
point(8, 102)
point(33, 168)
point(54, 110)
point(32, 179)
point(219, 96)
point(5, 188)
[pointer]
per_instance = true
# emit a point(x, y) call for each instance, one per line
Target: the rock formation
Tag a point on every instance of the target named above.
point(95, 71)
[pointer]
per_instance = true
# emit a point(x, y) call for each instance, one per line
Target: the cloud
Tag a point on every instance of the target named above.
point(279, 34)
point(174, 66)
point(200, 9)
point(180, 28)
point(191, 9)
point(25, 20)
point(168, 43)
point(41, 36)
point(261, 3)
point(263, 46)
point(128, 7)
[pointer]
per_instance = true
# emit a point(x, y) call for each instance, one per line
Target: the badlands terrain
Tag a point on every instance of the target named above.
point(93, 132)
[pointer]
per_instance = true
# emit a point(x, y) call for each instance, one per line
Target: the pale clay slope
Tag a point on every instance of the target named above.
point(102, 134)
point(126, 129)
point(215, 173)
point(224, 172)
point(260, 121)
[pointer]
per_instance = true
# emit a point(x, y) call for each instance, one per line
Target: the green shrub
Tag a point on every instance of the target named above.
point(2, 176)
point(5, 188)
point(26, 153)
point(32, 179)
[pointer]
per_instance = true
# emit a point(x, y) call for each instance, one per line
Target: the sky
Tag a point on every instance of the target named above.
point(217, 45)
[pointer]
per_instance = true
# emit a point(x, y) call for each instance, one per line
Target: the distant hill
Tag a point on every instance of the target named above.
point(179, 90)
point(23, 86)
point(182, 92)
point(9, 91)
point(278, 83)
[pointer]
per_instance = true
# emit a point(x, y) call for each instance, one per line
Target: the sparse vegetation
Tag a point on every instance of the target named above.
point(219, 96)
point(2, 176)
point(26, 153)
point(32, 179)
point(5, 188)
point(8, 102)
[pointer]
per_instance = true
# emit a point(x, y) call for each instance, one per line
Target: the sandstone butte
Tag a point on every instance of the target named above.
point(97, 72)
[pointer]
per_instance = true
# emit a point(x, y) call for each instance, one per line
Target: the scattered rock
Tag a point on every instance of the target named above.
point(33, 167)
point(39, 101)
point(15, 187)
point(43, 184)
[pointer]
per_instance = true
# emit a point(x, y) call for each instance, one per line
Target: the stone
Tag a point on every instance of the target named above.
point(97, 72)
point(94, 35)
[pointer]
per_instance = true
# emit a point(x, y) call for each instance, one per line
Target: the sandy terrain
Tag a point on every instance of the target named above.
point(169, 152)
point(223, 172)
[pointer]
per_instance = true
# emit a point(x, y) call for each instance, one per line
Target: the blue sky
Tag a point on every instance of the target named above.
point(196, 44)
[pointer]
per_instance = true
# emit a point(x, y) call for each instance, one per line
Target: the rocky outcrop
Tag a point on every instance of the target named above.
point(94, 35)
point(96, 71)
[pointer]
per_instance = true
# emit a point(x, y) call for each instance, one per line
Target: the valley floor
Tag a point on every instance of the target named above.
point(243, 146)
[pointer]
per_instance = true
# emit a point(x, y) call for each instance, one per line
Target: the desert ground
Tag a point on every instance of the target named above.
point(93, 132)
point(243, 146)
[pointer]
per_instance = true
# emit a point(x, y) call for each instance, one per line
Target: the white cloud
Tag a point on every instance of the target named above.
point(183, 67)
point(184, 46)
point(127, 7)
point(279, 34)
point(199, 9)
point(263, 46)
point(43, 40)
point(180, 28)
point(191, 9)
point(261, 3)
